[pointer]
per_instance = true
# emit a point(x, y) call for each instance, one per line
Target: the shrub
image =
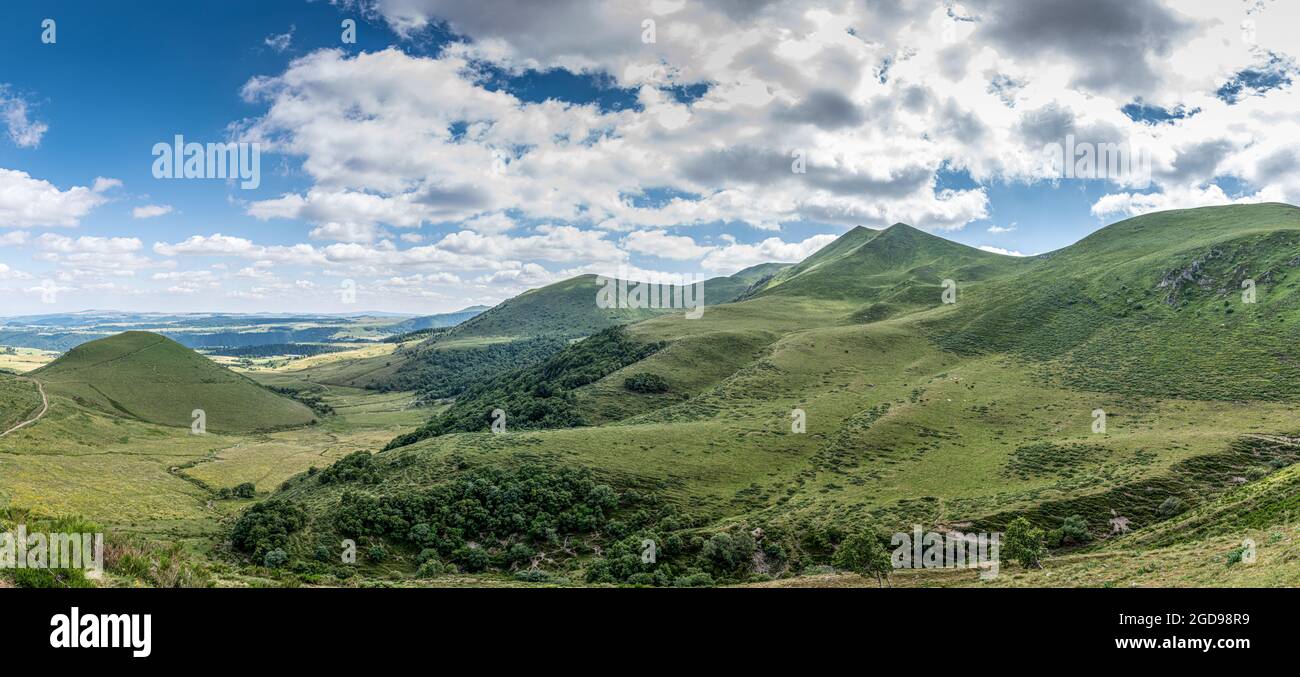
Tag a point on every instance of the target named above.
point(509, 512)
point(266, 526)
point(275, 559)
point(646, 383)
point(1171, 506)
point(727, 554)
point(863, 554)
point(432, 568)
point(472, 560)
point(532, 576)
point(355, 467)
point(1075, 530)
point(696, 579)
point(1024, 543)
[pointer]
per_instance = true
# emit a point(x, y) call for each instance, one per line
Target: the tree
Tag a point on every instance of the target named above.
point(862, 554)
point(1024, 544)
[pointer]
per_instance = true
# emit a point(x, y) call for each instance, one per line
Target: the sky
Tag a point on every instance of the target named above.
point(446, 154)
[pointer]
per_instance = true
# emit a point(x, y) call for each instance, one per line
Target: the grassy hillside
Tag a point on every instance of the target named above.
point(1154, 306)
point(899, 266)
point(19, 401)
point(917, 412)
point(688, 432)
point(151, 378)
point(520, 331)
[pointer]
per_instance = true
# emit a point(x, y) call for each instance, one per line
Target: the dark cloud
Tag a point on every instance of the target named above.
point(1111, 42)
point(1047, 124)
point(762, 166)
point(825, 108)
point(452, 197)
point(1199, 162)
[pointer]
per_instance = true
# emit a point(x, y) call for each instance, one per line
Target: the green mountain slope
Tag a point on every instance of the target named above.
point(1154, 305)
point(783, 421)
point(518, 332)
point(149, 377)
point(899, 265)
point(19, 401)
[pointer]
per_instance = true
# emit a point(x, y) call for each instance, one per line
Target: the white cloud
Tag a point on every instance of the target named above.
point(490, 224)
point(26, 202)
point(87, 244)
point(103, 184)
point(665, 246)
point(7, 273)
point(1000, 250)
point(150, 211)
point(280, 42)
point(734, 257)
point(14, 238)
point(23, 132)
point(1002, 229)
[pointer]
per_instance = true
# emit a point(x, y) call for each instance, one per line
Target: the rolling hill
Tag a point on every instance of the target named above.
point(921, 412)
point(151, 378)
point(516, 333)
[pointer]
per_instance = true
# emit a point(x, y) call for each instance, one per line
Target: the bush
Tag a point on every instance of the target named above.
point(509, 512)
point(266, 526)
point(245, 490)
point(433, 568)
point(275, 559)
point(646, 383)
point(863, 554)
point(355, 467)
point(539, 396)
point(472, 560)
point(727, 554)
point(1171, 506)
point(1024, 544)
point(532, 576)
point(1074, 530)
point(697, 579)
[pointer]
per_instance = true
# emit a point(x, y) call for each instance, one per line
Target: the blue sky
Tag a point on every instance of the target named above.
point(461, 153)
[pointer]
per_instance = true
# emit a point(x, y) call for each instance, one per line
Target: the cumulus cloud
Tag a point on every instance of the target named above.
point(665, 246)
point(818, 112)
point(734, 257)
point(27, 202)
point(150, 211)
point(7, 273)
point(14, 238)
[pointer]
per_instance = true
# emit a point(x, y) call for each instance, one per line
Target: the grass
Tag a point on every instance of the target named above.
point(917, 412)
point(154, 379)
point(25, 359)
point(904, 423)
point(160, 481)
point(19, 401)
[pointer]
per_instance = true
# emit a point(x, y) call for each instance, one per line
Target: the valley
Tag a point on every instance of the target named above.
point(1122, 380)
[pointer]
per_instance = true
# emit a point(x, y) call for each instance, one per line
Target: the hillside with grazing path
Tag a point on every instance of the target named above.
point(151, 378)
point(45, 407)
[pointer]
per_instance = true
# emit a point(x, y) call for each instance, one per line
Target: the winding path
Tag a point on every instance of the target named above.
point(45, 406)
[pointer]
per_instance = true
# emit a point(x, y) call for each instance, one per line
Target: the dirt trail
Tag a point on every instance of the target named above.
point(45, 406)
